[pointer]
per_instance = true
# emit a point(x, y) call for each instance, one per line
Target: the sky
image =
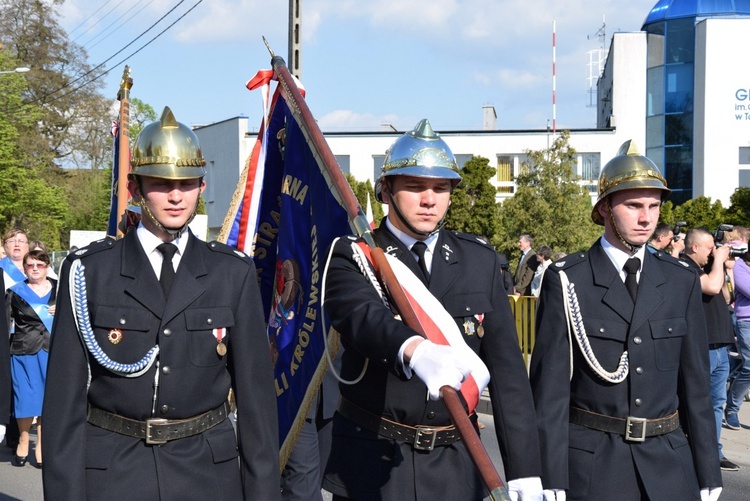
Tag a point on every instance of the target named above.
point(364, 62)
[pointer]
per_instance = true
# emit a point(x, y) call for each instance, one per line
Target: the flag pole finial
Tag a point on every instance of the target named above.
point(268, 47)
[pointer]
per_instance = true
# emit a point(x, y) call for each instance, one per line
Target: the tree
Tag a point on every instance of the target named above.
point(26, 199)
point(64, 89)
point(739, 208)
point(701, 212)
point(361, 190)
point(141, 114)
point(473, 207)
point(549, 204)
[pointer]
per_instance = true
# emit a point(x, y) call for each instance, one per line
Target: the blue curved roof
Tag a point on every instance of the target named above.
point(665, 10)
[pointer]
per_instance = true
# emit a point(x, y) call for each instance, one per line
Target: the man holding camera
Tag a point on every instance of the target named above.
point(699, 248)
point(661, 239)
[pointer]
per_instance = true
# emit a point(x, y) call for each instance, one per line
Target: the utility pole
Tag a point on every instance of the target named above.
point(295, 46)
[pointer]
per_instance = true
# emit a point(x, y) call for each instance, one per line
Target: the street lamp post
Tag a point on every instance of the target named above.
point(17, 70)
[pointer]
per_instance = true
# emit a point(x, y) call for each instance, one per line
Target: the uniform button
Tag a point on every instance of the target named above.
point(669, 330)
point(637, 340)
point(167, 332)
point(123, 321)
point(468, 308)
point(166, 369)
point(164, 409)
point(430, 415)
point(385, 361)
point(639, 370)
point(601, 329)
point(638, 402)
point(209, 321)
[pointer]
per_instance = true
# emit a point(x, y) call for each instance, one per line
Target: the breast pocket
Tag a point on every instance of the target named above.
point(122, 332)
point(668, 334)
point(201, 325)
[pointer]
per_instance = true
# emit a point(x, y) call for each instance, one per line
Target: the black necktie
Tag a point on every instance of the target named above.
point(167, 269)
point(631, 267)
point(419, 249)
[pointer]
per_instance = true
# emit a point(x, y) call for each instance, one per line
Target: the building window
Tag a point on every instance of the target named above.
point(590, 168)
point(744, 155)
point(461, 159)
point(343, 161)
point(508, 165)
point(377, 165)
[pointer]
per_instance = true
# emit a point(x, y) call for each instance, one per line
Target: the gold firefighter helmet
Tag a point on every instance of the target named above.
point(167, 149)
point(626, 171)
point(421, 152)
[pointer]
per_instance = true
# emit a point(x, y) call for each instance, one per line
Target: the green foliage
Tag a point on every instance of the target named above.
point(549, 204)
point(141, 114)
point(700, 212)
point(361, 190)
point(473, 208)
point(739, 208)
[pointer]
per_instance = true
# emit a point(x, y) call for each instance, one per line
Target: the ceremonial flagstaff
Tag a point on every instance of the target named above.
point(337, 187)
point(121, 158)
point(284, 215)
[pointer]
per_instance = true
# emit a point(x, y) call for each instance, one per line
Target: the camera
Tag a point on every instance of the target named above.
point(734, 250)
point(676, 230)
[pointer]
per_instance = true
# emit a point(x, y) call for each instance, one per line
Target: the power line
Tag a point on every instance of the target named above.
point(100, 20)
point(90, 16)
point(45, 100)
point(103, 35)
point(121, 61)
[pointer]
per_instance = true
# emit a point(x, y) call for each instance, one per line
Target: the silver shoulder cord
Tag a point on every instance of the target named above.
point(575, 326)
point(79, 300)
point(361, 260)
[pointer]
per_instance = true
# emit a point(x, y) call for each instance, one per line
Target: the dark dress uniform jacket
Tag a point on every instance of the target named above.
point(5, 385)
point(214, 287)
point(665, 336)
point(466, 280)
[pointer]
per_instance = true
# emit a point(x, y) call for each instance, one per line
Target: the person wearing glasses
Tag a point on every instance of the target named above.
point(31, 306)
point(16, 245)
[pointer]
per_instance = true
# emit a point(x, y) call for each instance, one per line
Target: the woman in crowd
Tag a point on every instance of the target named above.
point(31, 307)
point(39, 245)
point(16, 245)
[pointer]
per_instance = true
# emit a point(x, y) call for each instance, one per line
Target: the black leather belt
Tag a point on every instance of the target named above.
point(632, 428)
point(422, 438)
point(157, 431)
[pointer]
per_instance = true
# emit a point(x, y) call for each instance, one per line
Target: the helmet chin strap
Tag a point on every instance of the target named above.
point(173, 232)
point(633, 248)
point(411, 228)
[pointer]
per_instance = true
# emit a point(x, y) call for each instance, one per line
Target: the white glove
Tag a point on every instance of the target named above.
point(710, 493)
point(438, 365)
point(525, 489)
point(2, 433)
point(554, 494)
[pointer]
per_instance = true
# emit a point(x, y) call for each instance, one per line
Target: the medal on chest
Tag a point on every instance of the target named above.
point(220, 334)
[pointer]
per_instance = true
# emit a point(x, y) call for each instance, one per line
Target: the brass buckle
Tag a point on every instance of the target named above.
point(634, 421)
point(151, 440)
point(424, 440)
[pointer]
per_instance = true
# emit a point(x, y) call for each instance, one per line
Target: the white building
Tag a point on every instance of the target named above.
point(686, 106)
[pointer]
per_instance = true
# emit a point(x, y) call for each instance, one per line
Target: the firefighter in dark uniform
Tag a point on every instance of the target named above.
point(376, 450)
point(140, 369)
point(632, 418)
point(6, 391)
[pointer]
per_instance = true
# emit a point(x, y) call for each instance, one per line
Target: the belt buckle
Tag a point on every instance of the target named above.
point(424, 439)
point(629, 423)
point(150, 440)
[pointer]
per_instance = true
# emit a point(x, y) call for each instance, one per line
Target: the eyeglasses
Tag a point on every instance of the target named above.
point(33, 266)
point(16, 241)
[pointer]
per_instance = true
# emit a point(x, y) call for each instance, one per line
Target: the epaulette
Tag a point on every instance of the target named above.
point(473, 238)
point(569, 261)
point(668, 258)
point(94, 247)
point(226, 249)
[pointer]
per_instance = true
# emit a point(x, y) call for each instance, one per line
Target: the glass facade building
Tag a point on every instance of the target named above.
point(671, 83)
